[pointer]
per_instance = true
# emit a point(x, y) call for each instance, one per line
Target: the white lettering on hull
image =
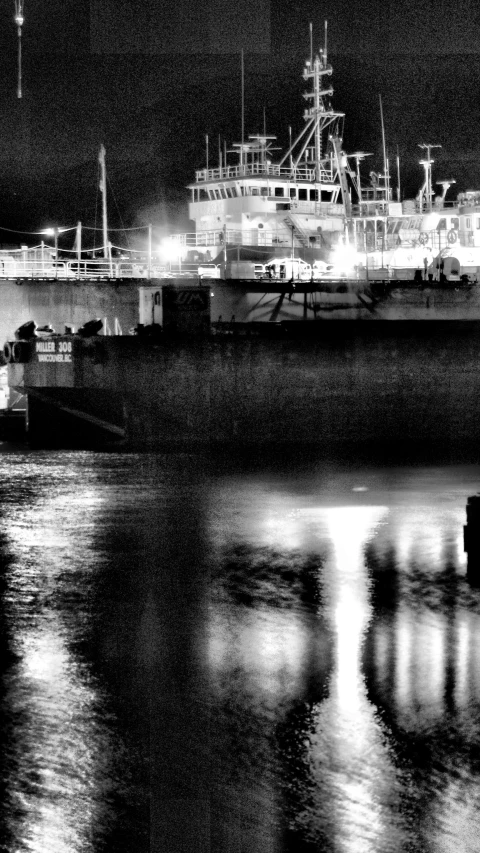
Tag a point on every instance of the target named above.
point(57, 356)
point(57, 351)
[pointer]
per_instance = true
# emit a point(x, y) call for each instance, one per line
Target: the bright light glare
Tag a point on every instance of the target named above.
point(50, 232)
point(345, 259)
point(169, 250)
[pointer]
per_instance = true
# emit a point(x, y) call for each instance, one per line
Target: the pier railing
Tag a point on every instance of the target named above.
point(88, 269)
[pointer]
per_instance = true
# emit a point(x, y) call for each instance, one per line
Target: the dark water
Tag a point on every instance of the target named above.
point(207, 656)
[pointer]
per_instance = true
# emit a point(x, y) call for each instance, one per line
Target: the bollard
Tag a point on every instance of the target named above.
point(471, 539)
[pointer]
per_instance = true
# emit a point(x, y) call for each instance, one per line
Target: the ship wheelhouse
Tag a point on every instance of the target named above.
point(258, 202)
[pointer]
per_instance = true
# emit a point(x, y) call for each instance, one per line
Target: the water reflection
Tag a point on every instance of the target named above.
point(295, 652)
point(376, 701)
point(59, 753)
point(352, 802)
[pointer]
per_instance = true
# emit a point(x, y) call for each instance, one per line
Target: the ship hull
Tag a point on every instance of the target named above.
point(329, 385)
point(342, 300)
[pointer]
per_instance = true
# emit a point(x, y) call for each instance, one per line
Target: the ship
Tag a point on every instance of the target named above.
point(189, 383)
point(312, 202)
point(299, 235)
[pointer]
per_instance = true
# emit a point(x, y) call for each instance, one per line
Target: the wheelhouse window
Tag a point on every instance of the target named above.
point(302, 195)
point(279, 192)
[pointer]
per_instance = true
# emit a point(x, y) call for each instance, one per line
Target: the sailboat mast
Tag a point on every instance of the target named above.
point(19, 22)
point(103, 188)
point(243, 108)
point(385, 159)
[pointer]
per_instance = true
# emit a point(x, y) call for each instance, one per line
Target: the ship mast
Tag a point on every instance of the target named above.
point(426, 190)
point(318, 116)
point(19, 22)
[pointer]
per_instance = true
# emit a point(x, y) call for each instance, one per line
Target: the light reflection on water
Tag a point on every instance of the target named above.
point(294, 652)
point(378, 754)
point(351, 771)
point(60, 751)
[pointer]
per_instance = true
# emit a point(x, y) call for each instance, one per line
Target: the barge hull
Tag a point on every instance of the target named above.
point(314, 384)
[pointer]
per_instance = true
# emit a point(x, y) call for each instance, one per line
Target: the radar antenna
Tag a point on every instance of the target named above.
point(426, 190)
point(19, 23)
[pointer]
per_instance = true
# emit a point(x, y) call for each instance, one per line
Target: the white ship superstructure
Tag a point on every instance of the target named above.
point(313, 203)
point(314, 212)
point(310, 202)
point(299, 201)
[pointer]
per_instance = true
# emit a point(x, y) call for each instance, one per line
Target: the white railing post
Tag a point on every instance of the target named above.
point(79, 246)
point(149, 252)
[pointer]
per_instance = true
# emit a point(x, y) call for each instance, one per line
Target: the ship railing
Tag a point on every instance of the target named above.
point(198, 238)
point(368, 240)
point(253, 237)
point(317, 208)
point(299, 173)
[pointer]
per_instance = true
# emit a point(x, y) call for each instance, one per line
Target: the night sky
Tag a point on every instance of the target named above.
point(150, 79)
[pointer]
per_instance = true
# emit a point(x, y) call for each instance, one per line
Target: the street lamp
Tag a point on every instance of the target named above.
point(53, 232)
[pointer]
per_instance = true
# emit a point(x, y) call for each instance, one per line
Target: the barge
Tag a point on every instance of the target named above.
point(192, 382)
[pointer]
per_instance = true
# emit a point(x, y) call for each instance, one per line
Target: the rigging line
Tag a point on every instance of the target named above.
point(85, 249)
point(116, 205)
point(64, 231)
point(32, 233)
point(125, 249)
point(133, 228)
point(21, 251)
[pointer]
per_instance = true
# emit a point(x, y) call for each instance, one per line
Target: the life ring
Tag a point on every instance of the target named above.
point(452, 236)
point(423, 238)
